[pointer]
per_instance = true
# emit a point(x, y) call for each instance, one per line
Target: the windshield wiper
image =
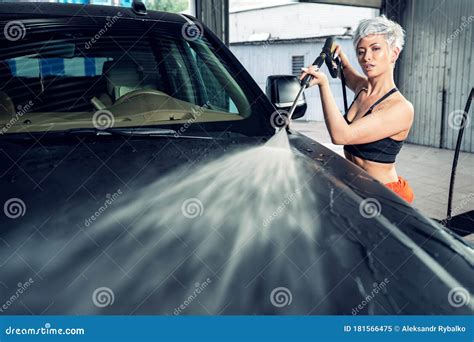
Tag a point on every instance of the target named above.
point(126, 132)
point(151, 132)
point(138, 131)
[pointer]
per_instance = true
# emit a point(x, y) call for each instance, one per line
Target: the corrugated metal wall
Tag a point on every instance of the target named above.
point(215, 14)
point(435, 71)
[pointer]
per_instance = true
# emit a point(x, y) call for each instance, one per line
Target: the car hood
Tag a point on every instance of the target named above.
point(96, 230)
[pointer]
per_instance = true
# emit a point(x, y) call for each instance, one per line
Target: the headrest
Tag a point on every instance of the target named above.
point(123, 77)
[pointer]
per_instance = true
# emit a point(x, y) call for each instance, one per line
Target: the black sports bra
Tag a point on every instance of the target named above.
point(382, 151)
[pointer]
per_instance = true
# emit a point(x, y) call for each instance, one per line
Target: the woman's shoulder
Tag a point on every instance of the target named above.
point(402, 103)
point(398, 105)
point(395, 104)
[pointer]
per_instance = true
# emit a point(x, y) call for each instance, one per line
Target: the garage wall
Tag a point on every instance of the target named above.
point(215, 14)
point(274, 58)
point(435, 71)
point(296, 20)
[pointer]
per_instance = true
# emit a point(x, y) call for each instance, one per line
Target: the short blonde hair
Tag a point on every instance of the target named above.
point(393, 32)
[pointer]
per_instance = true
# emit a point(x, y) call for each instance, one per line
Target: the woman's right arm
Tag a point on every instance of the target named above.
point(354, 80)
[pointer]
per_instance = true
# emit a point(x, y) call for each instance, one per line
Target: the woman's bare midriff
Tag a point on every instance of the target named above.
point(384, 173)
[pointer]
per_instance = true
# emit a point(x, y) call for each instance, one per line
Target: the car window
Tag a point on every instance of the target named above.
point(212, 87)
point(196, 75)
point(70, 75)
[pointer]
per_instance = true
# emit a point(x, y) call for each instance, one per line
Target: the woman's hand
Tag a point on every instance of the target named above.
point(319, 77)
point(338, 51)
point(342, 56)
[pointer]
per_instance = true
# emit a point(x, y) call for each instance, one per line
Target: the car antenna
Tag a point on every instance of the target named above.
point(139, 7)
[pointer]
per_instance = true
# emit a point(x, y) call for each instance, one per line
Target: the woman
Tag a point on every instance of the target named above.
point(379, 119)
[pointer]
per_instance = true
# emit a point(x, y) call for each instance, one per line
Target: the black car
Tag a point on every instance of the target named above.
point(141, 173)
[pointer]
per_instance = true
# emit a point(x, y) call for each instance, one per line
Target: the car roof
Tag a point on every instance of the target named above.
point(52, 10)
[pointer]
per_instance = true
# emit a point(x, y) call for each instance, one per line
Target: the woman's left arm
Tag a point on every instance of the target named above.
point(384, 123)
point(379, 125)
point(335, 123)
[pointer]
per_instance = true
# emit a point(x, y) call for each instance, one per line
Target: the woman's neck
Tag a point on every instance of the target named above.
point(380, 85)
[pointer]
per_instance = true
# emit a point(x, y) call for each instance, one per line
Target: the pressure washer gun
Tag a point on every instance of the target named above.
point(335, 69)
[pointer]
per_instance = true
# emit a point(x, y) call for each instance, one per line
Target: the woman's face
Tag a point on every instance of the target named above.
point(375, 56)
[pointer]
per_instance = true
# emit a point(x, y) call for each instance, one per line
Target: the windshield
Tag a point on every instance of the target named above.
point(112, 72)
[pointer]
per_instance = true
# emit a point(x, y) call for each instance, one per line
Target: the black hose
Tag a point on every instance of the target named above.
point(343, 81)
point(456, 156)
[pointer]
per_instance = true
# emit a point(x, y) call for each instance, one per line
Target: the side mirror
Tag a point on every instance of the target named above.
point(282, 91)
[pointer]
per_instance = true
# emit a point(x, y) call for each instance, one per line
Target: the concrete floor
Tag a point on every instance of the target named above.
point(427, 169)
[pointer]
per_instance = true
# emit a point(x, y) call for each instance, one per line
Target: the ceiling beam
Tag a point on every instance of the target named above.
point(357, 3)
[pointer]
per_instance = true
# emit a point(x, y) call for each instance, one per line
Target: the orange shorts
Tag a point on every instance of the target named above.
point(402, 189)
